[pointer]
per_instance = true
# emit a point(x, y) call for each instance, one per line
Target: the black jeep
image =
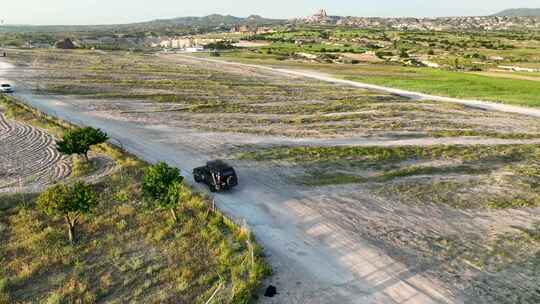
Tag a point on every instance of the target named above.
point(218, 175)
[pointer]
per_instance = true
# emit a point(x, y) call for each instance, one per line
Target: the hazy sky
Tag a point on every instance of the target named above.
point(123, 11)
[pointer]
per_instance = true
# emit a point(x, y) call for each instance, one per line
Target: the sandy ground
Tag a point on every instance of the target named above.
point(311, 241)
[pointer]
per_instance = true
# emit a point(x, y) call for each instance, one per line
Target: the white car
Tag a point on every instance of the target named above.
point(6, 88)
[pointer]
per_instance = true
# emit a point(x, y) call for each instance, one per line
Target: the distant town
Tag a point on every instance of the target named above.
point(433, 24)
point(233, 30)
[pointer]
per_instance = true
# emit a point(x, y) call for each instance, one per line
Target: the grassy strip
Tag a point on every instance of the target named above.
point(460, 194)
point(33, 117)
point(371, 155)
point(428, 170)
point(476, 133)
point(426, 80)
point(126, 251)
point(317, 178)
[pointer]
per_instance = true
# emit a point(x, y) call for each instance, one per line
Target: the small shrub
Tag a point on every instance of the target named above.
point(81, 168)
point(80, 141)
point(69, 202)
point(162, 185)
point(514, 203)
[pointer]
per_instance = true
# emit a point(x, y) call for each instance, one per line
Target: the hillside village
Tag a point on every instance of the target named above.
point(435, 24)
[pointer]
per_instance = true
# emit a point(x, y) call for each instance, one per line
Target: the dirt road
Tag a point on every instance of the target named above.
point(315, 261)
point(485, 105)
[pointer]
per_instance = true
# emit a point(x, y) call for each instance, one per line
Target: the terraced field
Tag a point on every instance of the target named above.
point(28, 157)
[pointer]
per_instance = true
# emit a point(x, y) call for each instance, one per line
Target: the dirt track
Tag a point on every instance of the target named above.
point(315, 259)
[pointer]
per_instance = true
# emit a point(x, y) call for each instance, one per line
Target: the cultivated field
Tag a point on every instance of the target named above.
point(449, 191)
point(28, 157)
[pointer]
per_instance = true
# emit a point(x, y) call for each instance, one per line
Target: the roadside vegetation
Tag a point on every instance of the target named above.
point(80, 140)
point(124, 249)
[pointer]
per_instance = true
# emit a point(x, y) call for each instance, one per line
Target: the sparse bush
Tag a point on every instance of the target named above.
point(81, 168)
point(220, 45)
point(383, 54)
point(4, 290)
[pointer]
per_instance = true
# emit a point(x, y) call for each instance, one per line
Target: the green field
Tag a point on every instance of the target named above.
point(457, 84)
point(467, 64)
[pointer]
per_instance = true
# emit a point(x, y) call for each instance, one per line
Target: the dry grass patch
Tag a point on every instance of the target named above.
point(468, 177)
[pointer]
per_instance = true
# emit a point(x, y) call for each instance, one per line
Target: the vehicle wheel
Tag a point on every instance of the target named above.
point(197, 178)
point(213, 188)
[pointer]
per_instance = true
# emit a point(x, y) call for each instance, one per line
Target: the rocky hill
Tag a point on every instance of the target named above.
point(187, 23)
point(214, 20)
point(519, 12)
point(506, 21)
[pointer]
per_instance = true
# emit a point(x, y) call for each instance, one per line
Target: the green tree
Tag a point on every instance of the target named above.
point(71, 202)
point(80, 141)
point(162, 185)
